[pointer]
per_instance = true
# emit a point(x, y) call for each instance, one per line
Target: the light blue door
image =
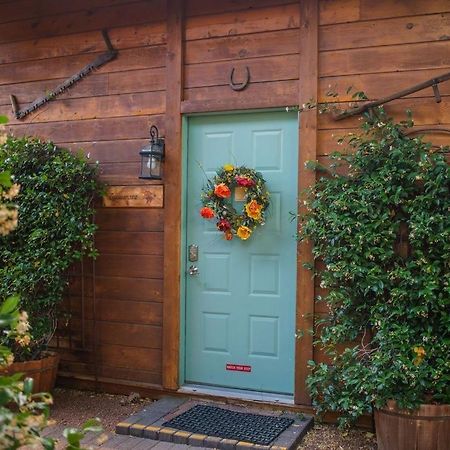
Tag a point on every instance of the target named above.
point(240, 306)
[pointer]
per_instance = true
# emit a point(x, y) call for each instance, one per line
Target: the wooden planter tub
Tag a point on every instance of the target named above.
point(43, 371)
point(427, 428)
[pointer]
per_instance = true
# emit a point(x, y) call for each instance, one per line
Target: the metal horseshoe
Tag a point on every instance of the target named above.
point(239, 86)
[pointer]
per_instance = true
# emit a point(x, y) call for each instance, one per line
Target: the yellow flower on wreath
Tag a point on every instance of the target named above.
point(228, 167)
point(253, 210)
point(244, 232)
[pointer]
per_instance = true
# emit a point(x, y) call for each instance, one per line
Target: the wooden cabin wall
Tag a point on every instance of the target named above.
point(115, 329)
point(381, 48)
point(116, 333)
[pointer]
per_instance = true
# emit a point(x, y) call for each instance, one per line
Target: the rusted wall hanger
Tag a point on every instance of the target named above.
point(99, 61)
point(433, 82)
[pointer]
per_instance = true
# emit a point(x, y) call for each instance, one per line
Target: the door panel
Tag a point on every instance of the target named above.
point(240, 307)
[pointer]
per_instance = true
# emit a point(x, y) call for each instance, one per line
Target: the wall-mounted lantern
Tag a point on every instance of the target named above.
point(152, 157)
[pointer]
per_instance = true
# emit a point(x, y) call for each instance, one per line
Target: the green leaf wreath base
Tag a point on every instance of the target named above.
point(216, 200)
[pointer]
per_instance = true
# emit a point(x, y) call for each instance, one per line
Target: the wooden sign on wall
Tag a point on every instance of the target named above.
point(134, 196)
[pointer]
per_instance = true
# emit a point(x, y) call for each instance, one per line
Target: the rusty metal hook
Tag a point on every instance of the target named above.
point(239, 86)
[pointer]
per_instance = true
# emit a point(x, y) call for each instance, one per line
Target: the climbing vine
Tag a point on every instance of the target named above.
point(389, 309)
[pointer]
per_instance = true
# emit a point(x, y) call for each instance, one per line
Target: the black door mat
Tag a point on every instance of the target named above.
point(213, 421)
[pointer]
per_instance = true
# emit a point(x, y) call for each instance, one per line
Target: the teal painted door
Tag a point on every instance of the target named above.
point(240, 307)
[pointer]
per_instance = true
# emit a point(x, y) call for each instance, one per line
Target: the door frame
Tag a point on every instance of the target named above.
point(183, 240)
point(176, 105)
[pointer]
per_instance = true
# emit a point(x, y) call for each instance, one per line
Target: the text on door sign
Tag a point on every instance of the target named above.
point(239, 368)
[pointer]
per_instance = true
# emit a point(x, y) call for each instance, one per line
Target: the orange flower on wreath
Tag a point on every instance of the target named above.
point(228, 235)
point(222, 190)
point(244, 232)
point(253, 209)
point(207, 213)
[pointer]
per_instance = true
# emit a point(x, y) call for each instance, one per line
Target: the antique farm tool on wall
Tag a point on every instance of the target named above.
point(433, 82)
point(240, 86)
point(109, 55)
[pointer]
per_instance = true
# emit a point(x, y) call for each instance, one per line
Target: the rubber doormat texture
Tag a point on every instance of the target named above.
point(223, 423)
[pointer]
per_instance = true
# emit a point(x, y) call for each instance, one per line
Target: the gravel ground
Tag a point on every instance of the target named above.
point(329, 437)
point(72, 408)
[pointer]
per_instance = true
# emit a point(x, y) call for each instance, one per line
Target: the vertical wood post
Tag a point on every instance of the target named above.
point(173, 192)
point(308, 74)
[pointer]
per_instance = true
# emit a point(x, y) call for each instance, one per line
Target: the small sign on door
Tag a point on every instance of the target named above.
point(238, 367)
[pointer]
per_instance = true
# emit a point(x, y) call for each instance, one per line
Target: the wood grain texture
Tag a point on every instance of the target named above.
point(396, 58)
point(132, 266)
point(27, 9)
point(136, 243)
point(122, 38)
point(87, 19)
point(96, 84)
point(173, 187)
point(257, 95)
point(145, 103)
point(283, 42)
point(207, 7)
point(265, 69)
point(130, 219)
point(66, 66)
point(404, 30)
point(309, 74)
point(271, 18)
point(377, 85)
point(89, 131)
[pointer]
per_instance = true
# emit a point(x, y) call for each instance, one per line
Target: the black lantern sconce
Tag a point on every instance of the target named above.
point(152, 156)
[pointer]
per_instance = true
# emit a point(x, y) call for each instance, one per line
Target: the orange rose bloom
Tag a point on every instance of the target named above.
point(253, 210)
point(207, 213)
point(244, 232)
point(222, 190)
point(228, 235)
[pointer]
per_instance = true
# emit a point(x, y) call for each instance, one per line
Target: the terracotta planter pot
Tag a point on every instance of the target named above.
point(43, 371)
point(427, 428)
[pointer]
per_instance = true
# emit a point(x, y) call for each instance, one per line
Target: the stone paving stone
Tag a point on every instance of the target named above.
point(150, 414)
point(113, 442)
point(290, 437)
point(196, 439)
point(242, 445)
point(137, 430)
point(212, 442)
point(181, 437)
point(228, 444)
point(151, 431)
point(145, 444)
point(166, 434)
point(164, 446)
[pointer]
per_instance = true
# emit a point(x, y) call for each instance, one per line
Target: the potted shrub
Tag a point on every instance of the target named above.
point(382, 232)
point(54, 229)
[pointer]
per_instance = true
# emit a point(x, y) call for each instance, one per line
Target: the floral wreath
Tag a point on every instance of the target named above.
point(216, 203)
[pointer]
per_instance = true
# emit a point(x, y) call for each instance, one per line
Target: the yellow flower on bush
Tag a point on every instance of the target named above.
point(228, 167)
point(244, 232)
point(253, 209)
point(420, 355)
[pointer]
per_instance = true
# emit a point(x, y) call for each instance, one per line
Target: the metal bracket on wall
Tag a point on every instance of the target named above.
point(239, 86)
point(99, 61)
point(433, 82)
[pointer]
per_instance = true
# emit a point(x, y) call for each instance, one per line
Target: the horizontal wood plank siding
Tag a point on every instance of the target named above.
point(114, 305)
point(262, 36)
